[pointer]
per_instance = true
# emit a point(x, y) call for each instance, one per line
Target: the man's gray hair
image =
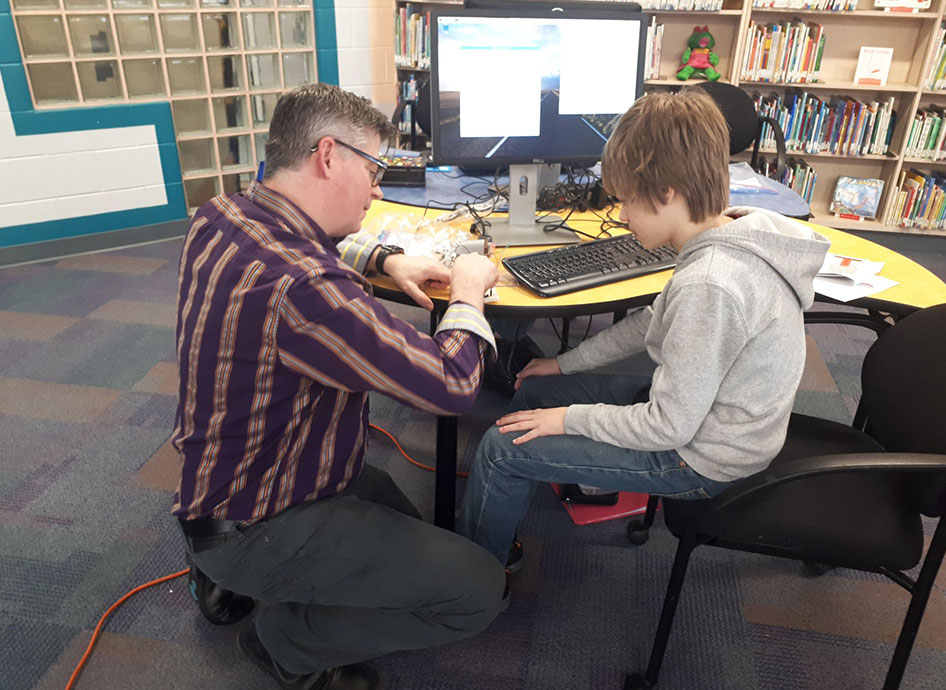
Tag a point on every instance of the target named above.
point(306, 114)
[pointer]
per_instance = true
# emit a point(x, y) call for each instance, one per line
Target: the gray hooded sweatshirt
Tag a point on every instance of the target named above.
point(727, 336)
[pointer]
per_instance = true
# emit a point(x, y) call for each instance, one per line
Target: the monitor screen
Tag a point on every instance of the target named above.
point(532, 85)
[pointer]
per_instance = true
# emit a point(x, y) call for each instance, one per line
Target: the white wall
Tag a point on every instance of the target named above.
point(48, 177)
point(365, 34)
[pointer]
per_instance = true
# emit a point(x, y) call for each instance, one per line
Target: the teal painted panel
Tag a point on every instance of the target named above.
point(9, 47)
point(328, 65)
point(18, 90)
point(103, 222)
point(28, 121)
point(102, 117)
point(170, 162)
point(326, 41)
point(326, 35)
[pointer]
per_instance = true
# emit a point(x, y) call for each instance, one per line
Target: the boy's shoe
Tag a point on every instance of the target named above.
point(515, 560)
point(219, 605)
point(353, 677)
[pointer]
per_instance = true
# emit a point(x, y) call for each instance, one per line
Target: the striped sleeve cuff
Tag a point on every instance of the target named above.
point(356, 250)
point(460, 316)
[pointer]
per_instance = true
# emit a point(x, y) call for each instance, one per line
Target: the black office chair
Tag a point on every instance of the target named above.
point(837, 495)
point(745, 124)
point(420, 113)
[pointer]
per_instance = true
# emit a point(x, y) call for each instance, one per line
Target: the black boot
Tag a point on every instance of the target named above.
point(219, 605)
point(353, 677)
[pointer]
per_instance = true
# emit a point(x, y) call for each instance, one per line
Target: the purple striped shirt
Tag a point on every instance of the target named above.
point(279, 341)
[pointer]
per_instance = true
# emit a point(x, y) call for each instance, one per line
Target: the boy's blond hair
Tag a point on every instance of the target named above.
point(670, 140)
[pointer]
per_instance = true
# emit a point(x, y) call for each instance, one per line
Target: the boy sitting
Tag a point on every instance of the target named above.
point(726, 333)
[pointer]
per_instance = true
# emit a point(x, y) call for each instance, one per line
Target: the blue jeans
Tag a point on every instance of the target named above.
point(505, 475)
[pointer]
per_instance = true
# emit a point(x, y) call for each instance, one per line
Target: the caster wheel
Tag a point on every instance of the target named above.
point(816, 569)
point(637, 534)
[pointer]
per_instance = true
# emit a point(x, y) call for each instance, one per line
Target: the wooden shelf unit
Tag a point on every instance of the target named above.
point(910, 34)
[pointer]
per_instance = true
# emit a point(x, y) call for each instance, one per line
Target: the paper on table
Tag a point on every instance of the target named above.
point(843, 290)
point(850, 267)
point(847, 278)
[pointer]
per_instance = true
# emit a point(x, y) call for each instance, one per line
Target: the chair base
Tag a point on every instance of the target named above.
point(637, 681)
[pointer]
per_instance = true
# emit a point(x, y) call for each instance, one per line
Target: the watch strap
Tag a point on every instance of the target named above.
point(384, 251)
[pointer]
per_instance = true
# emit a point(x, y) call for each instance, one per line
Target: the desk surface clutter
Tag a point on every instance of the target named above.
point(916, 286)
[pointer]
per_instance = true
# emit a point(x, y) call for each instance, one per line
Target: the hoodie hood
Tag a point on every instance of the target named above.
point(790, 247)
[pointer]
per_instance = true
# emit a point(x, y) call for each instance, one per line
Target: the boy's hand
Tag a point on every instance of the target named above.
point(549, 421)
point(540, 366)
point(410, 272)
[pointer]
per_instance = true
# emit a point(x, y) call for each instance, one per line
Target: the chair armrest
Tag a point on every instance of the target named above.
point(792, 470)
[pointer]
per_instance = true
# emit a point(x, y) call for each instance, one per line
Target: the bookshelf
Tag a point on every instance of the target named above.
point(915, 37)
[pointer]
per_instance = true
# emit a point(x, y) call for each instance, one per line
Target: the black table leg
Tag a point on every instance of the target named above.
point(445, 489)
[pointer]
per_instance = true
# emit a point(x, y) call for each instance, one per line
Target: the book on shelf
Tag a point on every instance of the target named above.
point(919, 201)
point(655, 37)
point(873, 65)
point(856, 198)
point(841, 125)
point(681, 5)
point(902, 5)
point(824, 5)
point(799, 177)
point(412, 37)
point(935, 70)
point(789, 52)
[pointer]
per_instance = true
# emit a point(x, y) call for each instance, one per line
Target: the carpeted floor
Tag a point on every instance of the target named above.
point(87, 398)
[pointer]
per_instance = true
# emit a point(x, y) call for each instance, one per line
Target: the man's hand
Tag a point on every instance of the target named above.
point(473, 274)
point(540, 366)
point(409, 273)
point(549, 421)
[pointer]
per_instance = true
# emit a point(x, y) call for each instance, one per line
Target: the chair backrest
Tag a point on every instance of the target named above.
point(423, 107)
point(738, 110)
point(903, 382)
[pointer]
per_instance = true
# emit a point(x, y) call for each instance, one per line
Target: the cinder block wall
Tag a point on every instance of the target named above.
point(68, 173)
point(365, 34)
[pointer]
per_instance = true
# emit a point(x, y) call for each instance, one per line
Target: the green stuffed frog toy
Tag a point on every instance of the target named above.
point(699, 58)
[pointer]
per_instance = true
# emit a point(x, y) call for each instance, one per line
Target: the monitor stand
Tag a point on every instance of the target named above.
point(522, 228)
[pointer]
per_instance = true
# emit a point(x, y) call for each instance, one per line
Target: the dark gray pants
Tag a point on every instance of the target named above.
point(355, 576)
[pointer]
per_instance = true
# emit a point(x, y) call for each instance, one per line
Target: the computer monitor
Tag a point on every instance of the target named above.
point(531, 87)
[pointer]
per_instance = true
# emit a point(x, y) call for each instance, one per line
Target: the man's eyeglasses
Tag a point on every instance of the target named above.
point(379, 171)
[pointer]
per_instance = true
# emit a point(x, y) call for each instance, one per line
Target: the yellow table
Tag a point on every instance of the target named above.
point(917, 287)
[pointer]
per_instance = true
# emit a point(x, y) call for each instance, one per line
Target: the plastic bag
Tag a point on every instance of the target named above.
point(420, 236)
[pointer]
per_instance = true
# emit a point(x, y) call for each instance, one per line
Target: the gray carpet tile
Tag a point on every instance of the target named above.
point(78, 529)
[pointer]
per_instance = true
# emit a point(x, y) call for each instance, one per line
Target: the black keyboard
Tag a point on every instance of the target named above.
point(579, 266)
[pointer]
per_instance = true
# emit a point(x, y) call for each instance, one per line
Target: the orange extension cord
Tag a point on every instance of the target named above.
point(98, 628)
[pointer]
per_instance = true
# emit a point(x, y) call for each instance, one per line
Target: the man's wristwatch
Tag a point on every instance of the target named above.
point(384, 251)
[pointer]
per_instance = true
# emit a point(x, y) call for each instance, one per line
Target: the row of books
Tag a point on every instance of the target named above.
point(412, 37)
point(655, 38)
point(934, 73)
point(920, 201)
point(800, 176)
point(839, 5)
point(681, 5)
point(841, 125)
point(832, 5)
point(789, 52)
point(927, 132)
